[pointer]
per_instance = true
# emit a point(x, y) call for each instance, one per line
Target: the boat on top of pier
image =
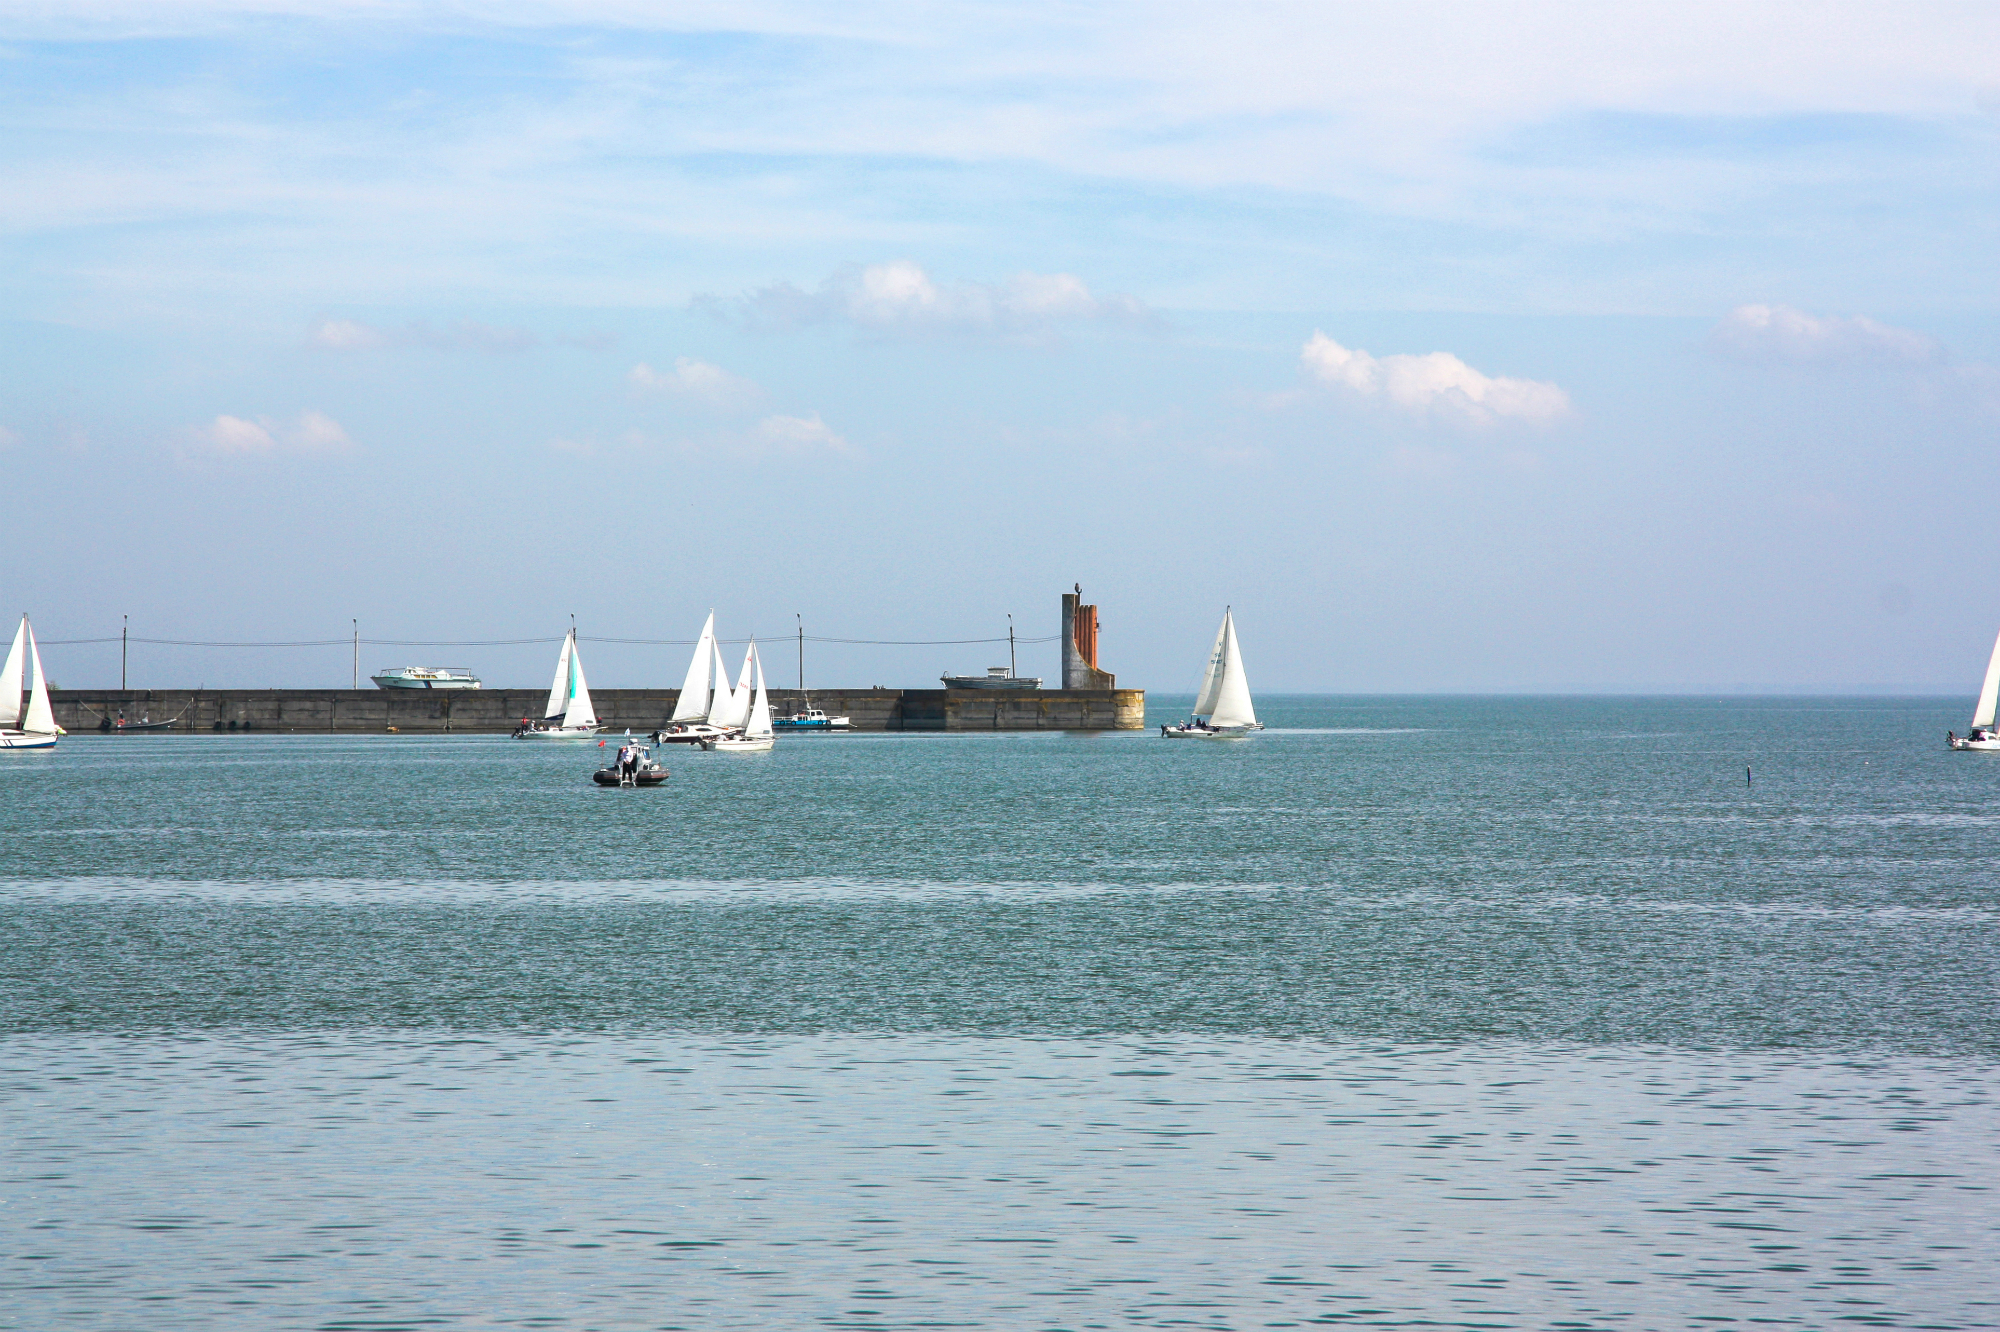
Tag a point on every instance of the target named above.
point(427, 677)
point(1222, 708)
point(33, 726)
point(1982, 736)
point(996, 677)
point(569, 714)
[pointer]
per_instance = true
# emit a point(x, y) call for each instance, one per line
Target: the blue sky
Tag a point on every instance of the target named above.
point(1458, 347)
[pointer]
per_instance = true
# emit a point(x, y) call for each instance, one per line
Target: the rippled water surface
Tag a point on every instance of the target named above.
point(1440, 1012)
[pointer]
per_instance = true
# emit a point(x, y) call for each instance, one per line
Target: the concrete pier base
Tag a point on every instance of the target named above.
point(89, 711)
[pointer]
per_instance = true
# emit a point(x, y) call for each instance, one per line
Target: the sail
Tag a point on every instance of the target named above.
point(10, 679)
point(758, 727)
point(1232, 689)
point(727, 710)
point(41, 719)
point(1989, 692)
point(559, 688)
point(692, 705)
point(1211, 678)
point(578, 714)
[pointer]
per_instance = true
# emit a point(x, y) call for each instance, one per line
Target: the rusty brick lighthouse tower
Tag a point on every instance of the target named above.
point(1079, 645)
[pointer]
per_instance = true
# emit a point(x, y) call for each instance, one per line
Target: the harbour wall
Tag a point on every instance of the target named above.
point(86, 711)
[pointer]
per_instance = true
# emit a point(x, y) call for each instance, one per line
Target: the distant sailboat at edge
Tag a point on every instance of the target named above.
point(569, 713)
point(1983, 735)
point(34, 727)
point(1222, 707)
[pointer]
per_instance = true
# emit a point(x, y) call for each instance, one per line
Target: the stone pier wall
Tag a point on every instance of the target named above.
point(85, 711)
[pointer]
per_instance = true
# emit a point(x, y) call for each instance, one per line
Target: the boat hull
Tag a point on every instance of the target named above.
point(728, 746)
point(830, 724)
point(557, 733)
point(1960, 742)
point(27, 740)
point(609, 777)
point(689, 733)
point(1185, 732)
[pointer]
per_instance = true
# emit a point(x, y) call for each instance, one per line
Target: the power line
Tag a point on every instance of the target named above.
point(524, 642)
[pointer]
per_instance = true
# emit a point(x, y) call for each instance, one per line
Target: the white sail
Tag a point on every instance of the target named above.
point(758, 727)
point(692, 705)
point(559, 688)
point(41, 718)
point(577, 712)
point(1211, 678)
point(1989, 692)
point(10, 679)
point(1232, 690)
point(728, 708)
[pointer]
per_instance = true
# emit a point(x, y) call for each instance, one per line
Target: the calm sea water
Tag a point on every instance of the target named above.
point(1408, 1012)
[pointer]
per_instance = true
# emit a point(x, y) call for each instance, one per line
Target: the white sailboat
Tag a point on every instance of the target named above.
point(32, 727)
point(1983, 735)
point(757, 733)
point(1222, 707)
point(689, 724)
point(569, 713)
point(731, 706)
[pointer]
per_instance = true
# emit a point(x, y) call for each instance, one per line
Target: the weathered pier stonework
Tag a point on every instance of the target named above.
point(90, 711)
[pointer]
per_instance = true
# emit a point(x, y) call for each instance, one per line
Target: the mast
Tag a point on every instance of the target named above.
point(802, 657)
point(1011, 671)
point(357, 653)
point(124, 628)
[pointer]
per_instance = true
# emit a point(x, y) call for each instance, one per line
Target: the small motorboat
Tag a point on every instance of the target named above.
point(811, 719)
point(635, 766)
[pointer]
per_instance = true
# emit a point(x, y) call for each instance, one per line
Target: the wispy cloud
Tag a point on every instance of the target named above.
point(1781, 333)
point(699, 381)
point(309, 433)
point(348, 335)
point(796, 435)
point(1433, 382)
point(902, 298)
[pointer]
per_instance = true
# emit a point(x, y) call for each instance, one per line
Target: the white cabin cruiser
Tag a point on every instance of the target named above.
point(1222, 708)
point(33, 726)
point(1983, 735)
point(427, 677)
point(569, 714)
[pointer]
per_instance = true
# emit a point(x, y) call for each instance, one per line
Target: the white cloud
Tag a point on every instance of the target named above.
point(900, 297)
point(1435, 381)
point(798, 434)
point(699, 380)
point(312, 432)
point(1780, 333)
point(348, 335)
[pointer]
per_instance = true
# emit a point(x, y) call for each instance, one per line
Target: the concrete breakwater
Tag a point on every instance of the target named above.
point(88, 711)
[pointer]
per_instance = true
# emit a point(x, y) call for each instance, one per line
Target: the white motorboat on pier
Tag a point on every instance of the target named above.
point(1222, 708)
point(427, 677)
point(1982, 736)
point(569, 714)
point(33, 726)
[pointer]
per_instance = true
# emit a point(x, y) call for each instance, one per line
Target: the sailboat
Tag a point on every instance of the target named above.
point(696, 709)
point(757, 732)
point(33, 727)
point(1983, 735)
point(1222, 707)
point(569, 713)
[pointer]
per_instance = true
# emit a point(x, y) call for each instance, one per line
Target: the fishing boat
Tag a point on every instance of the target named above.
point(811, 719)
point(691, 724)
point(569, 714)
point(635, 766)
point(427, 677)
point(1222, 708)
point(756, 732)
point(1982, 736)
point(32, 727)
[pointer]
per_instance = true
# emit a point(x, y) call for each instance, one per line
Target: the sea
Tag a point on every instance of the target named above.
point(1408, 1012)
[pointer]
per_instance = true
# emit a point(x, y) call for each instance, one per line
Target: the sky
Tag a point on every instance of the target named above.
point(1457, 347)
